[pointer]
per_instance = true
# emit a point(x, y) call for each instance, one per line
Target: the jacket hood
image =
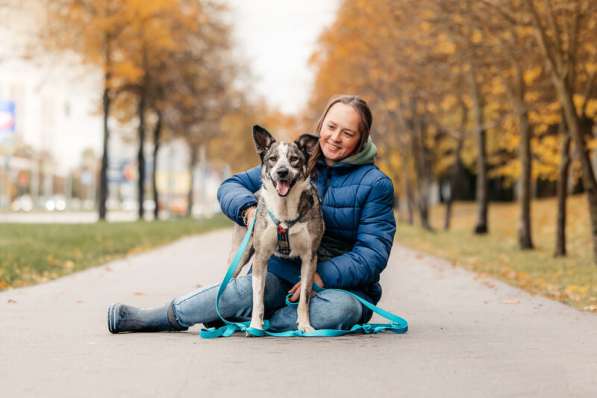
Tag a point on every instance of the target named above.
point(365, 156)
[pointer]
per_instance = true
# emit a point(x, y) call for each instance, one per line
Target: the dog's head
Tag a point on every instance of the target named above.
point(283, 164)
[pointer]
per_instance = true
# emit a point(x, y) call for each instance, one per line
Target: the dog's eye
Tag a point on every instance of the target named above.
point(294, 159)
point(273, 158)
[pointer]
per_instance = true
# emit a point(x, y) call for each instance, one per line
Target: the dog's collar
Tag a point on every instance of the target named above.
point(289, 223)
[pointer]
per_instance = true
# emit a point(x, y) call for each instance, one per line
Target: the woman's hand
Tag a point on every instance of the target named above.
point(249, 215)
point(296, 289)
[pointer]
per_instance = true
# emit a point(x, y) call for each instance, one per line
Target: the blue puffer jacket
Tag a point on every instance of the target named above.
point(356, 199)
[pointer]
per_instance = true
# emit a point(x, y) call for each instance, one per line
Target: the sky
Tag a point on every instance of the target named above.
point(276, 38)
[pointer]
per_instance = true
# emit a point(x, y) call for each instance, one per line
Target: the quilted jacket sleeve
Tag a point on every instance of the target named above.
point(371, 251)
point(238, 192)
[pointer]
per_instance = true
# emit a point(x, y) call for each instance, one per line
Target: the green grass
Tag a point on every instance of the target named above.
point(572, 280)
point(34, 253)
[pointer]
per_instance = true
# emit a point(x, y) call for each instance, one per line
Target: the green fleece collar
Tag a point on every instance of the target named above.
point(364, 156)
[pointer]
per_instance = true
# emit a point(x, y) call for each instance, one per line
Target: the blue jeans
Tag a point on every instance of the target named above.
point(327, 310)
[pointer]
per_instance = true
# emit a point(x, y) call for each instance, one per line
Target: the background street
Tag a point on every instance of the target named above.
point(70, 217)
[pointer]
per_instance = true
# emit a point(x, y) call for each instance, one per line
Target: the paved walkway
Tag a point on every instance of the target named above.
point(468, 338)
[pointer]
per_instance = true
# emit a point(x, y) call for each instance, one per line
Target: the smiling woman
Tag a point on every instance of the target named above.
point(357, 206)
point(339, 135)
point(343, 128)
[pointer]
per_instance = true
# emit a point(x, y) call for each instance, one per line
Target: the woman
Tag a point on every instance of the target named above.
point(356, 200)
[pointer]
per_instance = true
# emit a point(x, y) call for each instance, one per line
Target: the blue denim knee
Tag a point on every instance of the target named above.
point(236, 302)
point(329, 309)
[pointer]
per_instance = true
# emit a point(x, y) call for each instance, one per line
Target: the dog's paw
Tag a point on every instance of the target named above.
point(306, 328)
point(256, 325)
point(254, 332)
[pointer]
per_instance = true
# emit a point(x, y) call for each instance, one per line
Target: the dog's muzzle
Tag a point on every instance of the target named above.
point(282, 183)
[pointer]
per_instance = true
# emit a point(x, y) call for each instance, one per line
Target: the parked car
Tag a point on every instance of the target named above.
point(148, 205)
point(129, 205)
point(22, 203)
point(55, 203)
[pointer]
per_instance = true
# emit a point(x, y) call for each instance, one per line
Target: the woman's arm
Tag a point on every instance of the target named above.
point(371, 251)
point(238, 192)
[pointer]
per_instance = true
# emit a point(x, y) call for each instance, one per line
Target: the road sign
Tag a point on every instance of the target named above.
point(7, 118)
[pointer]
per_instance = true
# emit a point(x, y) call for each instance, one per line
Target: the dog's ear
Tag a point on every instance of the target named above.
point(263, 140)
point(307, 143)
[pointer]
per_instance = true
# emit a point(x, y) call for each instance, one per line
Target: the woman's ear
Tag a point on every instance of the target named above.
point(263, 140)
point(307, 143)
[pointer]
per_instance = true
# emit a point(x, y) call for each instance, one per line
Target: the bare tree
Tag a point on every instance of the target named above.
point(560, 30)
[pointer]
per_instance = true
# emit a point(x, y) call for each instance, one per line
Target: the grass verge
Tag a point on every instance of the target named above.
point(572, 280)
point(34, 253)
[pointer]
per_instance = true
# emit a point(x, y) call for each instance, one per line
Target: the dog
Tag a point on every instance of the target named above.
point(288, 219)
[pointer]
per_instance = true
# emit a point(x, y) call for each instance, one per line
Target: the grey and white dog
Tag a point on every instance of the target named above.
point(289, 222)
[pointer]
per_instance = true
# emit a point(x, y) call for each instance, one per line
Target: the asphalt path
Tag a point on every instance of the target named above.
point(468, 337)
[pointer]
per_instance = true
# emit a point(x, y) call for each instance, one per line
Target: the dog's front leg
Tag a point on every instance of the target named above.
point(258, 282)
point(308, 266)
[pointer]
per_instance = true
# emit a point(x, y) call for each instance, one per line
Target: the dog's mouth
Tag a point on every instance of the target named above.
point(283, 187)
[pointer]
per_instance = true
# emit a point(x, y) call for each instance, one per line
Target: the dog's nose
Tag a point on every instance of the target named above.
point(282, 172)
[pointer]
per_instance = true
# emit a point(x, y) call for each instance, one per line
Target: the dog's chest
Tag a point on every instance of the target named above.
point(288, 242)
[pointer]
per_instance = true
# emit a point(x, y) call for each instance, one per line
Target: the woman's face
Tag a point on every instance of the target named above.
point(339, 135)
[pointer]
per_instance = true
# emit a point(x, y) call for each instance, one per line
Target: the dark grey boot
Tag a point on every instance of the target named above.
point(126, 318)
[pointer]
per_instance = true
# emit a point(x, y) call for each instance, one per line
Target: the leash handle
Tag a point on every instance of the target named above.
point(397, 324)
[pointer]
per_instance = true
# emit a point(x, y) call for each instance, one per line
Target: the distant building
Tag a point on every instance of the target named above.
point(54, 106)
point(50, 105)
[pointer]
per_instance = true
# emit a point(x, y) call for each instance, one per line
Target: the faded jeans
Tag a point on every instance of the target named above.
point(328, 309)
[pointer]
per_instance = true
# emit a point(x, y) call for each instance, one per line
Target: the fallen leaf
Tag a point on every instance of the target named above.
point(108, 268)
point(12, 301)
point(138, 293)
point(511, 301)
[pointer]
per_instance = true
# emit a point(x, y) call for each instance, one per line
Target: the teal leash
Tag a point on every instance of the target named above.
point(396, 324)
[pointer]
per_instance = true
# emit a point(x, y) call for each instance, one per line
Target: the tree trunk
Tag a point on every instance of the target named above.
point(562, 188)
point(409, 199)
point(482, 194)
point(423, 175)
point(190, 195)
point(157, 131)
point(454, 174)
point(106, 103)
point(423, 207)
point(405, 156)
point(589, 182)
point(525, 240)
point(448, 210)
point(141, 153)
